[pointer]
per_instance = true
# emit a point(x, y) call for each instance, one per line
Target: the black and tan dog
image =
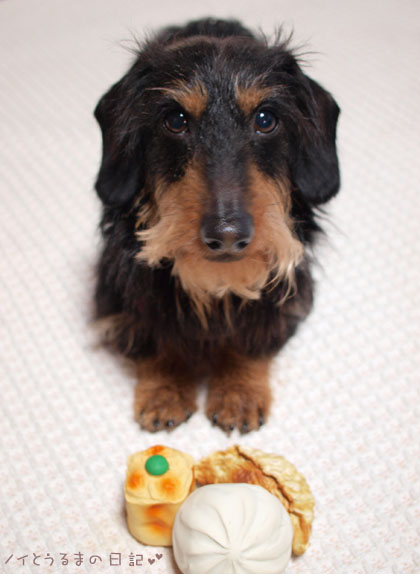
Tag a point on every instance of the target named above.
point(217, 150)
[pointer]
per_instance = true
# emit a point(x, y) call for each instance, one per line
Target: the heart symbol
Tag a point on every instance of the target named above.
point(158, 556)
point(151, 560)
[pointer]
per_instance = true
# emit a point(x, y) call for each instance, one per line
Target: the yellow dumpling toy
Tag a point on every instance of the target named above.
point(158, 481)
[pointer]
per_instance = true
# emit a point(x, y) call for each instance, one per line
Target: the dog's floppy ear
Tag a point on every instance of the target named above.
point(119, 176)
point(314, 163)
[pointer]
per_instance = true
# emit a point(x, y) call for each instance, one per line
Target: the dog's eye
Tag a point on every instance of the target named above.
point(264, 122)
point(176, 122)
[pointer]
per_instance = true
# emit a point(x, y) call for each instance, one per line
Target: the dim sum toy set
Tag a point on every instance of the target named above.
point(238, 511)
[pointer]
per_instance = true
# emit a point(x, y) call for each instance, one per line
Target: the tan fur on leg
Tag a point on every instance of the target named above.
point(165, 394)
point(239, 393)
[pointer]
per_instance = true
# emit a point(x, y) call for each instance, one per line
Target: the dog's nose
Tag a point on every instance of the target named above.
point(228, 235)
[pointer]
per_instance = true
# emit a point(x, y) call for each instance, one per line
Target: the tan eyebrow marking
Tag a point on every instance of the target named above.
point(249, 98)
point(192, 97)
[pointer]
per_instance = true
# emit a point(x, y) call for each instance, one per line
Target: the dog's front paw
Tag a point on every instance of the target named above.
point(165, 394)
point(237, 407)
point(239, 392)
point(163, 409)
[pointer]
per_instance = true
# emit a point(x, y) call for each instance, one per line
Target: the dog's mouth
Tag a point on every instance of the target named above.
point(224, 257)
point(217, 264)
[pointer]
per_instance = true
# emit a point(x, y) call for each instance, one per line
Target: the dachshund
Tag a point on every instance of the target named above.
point(217, 153)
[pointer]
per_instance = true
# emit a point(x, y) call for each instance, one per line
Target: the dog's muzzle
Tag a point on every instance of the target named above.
point(227, 237)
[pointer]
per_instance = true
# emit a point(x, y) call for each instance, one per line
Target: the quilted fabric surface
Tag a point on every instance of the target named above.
point(346, 389)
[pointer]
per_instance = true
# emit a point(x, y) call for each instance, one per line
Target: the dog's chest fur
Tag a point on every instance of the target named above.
point(152, 312)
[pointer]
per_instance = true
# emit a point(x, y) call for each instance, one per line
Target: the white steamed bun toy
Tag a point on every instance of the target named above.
point(232, 529)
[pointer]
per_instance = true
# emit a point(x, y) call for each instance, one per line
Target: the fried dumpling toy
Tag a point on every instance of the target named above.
point(271, 471)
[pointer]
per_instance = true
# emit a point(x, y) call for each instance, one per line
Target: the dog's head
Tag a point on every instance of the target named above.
point(213, 136)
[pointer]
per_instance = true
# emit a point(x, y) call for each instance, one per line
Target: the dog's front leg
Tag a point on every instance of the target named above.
point(165, 393)
point(239, 394)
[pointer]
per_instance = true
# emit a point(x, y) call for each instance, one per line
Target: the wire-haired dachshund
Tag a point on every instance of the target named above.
point(217, 152)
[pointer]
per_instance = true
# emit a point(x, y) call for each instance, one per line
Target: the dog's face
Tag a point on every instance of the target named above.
point(211, 141)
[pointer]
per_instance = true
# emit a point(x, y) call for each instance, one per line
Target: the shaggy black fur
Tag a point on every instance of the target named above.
point(153, 311)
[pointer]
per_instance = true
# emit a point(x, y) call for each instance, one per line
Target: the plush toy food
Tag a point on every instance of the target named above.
point(271, 471)
point(232, 529)
point(158, 481)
